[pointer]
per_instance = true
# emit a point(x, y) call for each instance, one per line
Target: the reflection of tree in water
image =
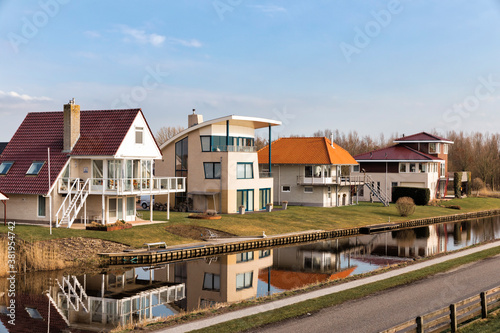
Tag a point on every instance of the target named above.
point(407, 237)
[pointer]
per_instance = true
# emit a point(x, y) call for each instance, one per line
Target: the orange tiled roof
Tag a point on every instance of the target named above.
point(316, 150)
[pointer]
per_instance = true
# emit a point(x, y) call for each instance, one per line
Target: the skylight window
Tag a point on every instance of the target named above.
point(34, 313)
point(5, 167)
point(35, 168)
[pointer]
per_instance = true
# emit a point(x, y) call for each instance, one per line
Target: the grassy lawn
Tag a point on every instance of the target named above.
point(293, 219)
point(489, 325)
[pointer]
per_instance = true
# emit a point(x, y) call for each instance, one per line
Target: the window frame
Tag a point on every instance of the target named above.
point(245, 165)
point(39, 206)
point(32, 166)
point(285, 191)
point(8, 168)
point(139, 131)
point(405, 168)
point(308, 187)
point(246, 284)
point(445, 148)
point(214, 164)
point(213, 279)
point(244, 257)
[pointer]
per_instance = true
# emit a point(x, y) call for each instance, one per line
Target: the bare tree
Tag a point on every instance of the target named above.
point(167, 132)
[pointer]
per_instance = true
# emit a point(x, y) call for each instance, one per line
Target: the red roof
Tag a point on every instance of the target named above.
point(396, 153)
point(101, 133)
point(422, 137)
point(300, 150)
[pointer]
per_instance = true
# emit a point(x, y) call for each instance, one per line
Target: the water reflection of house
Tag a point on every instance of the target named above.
point(103, 301)
point(297, 266)
point(225, 279)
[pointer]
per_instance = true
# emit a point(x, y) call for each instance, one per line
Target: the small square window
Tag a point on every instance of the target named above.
point(402, 167)
point(5, 167)
point(355, 168)
point(139, 135)
point(308, 189)
point(35, 168)
point(285, 188)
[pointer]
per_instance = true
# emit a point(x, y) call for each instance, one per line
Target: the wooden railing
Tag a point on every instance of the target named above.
point(449, 318)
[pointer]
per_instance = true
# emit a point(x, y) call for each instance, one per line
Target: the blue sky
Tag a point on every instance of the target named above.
point(371, 66)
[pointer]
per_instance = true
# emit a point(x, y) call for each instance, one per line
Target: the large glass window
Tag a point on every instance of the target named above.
point(139, 133)
point(422, 167)
point(402, 167)
point(445, 148)
point(264, 197)
point(211, 282)
point(35, 168)
point(205, 143)
point(433, 148)
point(244, 280)
point(212, 170)
point(181, 166)
point(244, 198)
point(5, 167)
point(97, 172)
point(244, 171)
point(41, 206)
point(413, 167)
point(130, 206)
point(223, 143)
point(308, 171)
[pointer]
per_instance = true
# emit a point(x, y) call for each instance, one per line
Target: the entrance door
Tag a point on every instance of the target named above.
point(264, 197)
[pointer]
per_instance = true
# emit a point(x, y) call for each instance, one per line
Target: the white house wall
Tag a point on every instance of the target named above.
point(148, 149)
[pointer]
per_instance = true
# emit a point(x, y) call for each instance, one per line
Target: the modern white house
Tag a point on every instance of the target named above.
point(419, 160)
point(310, 171)
point(82, 166)
point(219, 160)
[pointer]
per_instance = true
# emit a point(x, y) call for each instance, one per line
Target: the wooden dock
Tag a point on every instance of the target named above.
point(158, 256)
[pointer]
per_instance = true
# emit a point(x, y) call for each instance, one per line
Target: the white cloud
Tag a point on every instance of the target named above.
point(92, 34)
point(141, 37)
point(24, 97)
point(187, 43)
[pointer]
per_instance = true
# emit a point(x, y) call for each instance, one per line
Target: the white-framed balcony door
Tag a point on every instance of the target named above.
point(115, 209)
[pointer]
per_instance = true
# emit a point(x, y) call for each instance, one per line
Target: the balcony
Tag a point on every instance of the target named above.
point(242, 149)
point(319, 181)
point(125, 186)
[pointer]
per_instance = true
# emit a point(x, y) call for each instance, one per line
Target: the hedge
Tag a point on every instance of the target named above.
point(421, 196)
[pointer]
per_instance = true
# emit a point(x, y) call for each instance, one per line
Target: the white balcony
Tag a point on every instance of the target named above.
point(319, 181)
point(125, 186)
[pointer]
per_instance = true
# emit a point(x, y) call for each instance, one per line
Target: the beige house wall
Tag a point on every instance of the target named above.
point(196, 181)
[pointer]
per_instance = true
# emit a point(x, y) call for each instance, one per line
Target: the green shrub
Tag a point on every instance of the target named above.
point(405, 206)
point(420, 196)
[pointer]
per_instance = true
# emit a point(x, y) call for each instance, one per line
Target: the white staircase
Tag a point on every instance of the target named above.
point(72, 203)
point(73, 292)
point(376, 191)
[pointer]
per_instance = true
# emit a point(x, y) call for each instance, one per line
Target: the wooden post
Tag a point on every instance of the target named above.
point(420, 324)
point(453, 318)
point(484, 305)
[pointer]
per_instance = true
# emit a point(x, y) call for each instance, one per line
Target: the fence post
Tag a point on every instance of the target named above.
point(453, 318)
point(420, 324)
point(484, 305)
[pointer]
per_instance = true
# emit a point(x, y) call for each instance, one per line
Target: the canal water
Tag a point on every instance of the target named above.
point(95, 302)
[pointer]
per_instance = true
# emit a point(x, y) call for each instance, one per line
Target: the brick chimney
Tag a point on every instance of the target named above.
point(71, 116)
point(194, 119)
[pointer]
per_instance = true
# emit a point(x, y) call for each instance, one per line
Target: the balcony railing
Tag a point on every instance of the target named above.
point(343, 180)
point(155, 185)
point(243, 149)
point(265, 174)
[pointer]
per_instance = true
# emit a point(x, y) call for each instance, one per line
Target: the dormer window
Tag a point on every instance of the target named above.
point(5, 167)
point(35, 168)
point(139, 131)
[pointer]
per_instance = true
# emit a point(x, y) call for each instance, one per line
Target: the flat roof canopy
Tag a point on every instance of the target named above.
point(3, 196)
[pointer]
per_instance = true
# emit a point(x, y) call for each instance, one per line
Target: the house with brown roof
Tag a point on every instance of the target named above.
point(81, 165)
point(418, 160)
point(310, 172)
point(219, 160)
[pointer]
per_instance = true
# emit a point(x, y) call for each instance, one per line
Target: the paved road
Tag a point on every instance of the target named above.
point(386, 309)
point(376, 312)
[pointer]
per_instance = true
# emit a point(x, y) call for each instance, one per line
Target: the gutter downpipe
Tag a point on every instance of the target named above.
point(270, 141)
point(220, 194)
point(49, 194)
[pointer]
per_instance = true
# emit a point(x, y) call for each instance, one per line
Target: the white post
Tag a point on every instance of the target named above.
point(50, 195)
point(85, 213)
point(168, 205)
point(150, 208)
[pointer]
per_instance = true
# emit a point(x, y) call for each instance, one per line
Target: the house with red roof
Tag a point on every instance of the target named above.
point(310, 172)
point(419, 160)
point(81, 166)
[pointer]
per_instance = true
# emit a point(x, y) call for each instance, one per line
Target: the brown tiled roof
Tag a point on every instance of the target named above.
point(316, 150)
point(422, 136)
point(398, 152)
point(101, 133)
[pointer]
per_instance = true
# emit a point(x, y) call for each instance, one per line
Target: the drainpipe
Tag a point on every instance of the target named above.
point(220, 194)
point(270, 150)
point(227, 135)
